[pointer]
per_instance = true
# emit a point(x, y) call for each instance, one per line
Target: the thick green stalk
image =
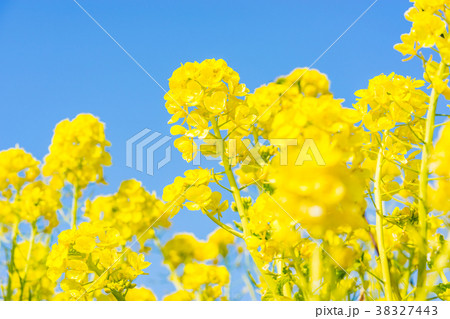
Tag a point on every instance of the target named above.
point(380, 223)
point(423, 189)
point(241, 209)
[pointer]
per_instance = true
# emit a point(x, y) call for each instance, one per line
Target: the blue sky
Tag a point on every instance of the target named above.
point(55, 63)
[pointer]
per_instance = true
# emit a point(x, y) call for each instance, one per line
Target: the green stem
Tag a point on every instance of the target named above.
point(443, 277)
point(30, 249)
point(241, 210)
point(251, 289)
point(286, 290)
point(92, 266)
point(408, 274)
point(300, 279)
point(74, 206)
point(226, 227)
point(9, 289)
point(380, 223)
point(176, 281)
point(118, 295)
point(316, 273)
point(423, 189)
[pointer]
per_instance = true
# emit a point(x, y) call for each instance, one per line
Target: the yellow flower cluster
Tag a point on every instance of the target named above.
point(77, 153)
point(17, 167)
point(307, 112)
point(198, 93)
point(131, 211)
point(271, 229)
point(197, 279)
point(298, 198)
point(296, 107)
point(288, 92)
point(428, 28)
point(184, 248)
point(221, 239)
point(300, 191)
point(38, 199)
point(210, 279)
point(390, 100)
point(256, 169)
point(91, 254)
point(25, 198)
point(193, 192)
point(383, 139)
point(437, 75)
point(392, 108)
point(91, 258)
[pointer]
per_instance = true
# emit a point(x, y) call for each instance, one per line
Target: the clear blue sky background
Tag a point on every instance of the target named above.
point(55, 63)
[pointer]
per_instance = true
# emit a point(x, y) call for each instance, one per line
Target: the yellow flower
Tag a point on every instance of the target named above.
point(140, 294)
point(440, 165)
point(85, 244)
point(137, 262)
point(180, 249)
point(222, 239)
point(286, 94)
point(437, 81)
point(390, 100)
point(206, 251)
point(428, 28)
point(90, 250)
point(199, 197)
point(77, 270)
point(38, 199)
point(211, 72)
point(215, 206)
point(196, 275)
point(73, 289)
point(194, 189)
point(198, 93)
point(181, 295)
point(216, 102)
point(407, 47)
point(187, 148)
point(207, 281)
point(430, 5)
point(185, 248)
point(300, 188)
point(129, 211)
point(16, 168)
